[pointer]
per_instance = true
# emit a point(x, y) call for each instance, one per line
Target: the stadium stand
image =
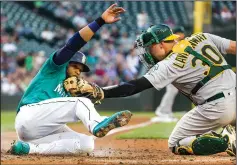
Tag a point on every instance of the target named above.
point(37, 28)
point(158, 11)
point(223, 12)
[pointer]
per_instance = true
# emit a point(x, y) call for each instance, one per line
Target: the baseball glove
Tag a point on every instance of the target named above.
point(79, 87)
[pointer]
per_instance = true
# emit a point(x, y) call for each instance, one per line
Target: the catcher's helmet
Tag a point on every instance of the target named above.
point(80, 58)
point(157, 34)
point(154, 34)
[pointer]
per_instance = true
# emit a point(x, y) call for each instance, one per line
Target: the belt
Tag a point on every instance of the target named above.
point(215, 97)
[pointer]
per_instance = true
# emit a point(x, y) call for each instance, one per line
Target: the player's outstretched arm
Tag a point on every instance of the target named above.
point(127, 89)
point(80, 38)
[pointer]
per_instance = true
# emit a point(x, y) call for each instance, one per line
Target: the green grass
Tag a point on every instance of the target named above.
point(8, 120)
point(140, 114)
point(135, 114)
point(154, 131)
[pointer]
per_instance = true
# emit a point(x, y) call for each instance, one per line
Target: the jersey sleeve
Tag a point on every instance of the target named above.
point(49, 67)
point(221, 43)
point(163, 74)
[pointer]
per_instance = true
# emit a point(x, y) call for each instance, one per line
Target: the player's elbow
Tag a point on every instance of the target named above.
point(232, 48)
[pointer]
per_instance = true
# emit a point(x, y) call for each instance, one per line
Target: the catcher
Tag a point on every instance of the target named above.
point(197, 68)
point(57, 96)
point(164, 110)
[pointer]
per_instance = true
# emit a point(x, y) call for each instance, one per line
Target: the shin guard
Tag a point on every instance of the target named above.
point(209, 144)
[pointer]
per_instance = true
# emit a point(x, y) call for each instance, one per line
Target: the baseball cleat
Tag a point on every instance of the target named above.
point(230, 132)
point(118, 119)
point(183, 150)
point(19, 148)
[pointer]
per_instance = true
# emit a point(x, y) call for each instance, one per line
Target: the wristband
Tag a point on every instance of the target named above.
point(100, 21)
point(95, 25)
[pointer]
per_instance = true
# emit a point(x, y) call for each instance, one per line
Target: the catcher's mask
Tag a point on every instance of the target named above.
point(80, 58)
point(154, 34)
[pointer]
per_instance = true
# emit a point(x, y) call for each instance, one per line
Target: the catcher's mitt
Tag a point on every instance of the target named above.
point(79, 87)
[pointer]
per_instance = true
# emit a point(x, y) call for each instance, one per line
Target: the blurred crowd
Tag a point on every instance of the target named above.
point(224, 13)
point(110, 55)
point(67, 10)
point(17, 67)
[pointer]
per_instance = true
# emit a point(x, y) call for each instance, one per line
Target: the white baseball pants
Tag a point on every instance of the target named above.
point(43, 125)
point(204, 118)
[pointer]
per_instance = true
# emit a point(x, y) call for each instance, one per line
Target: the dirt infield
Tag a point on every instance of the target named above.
point(109, 150)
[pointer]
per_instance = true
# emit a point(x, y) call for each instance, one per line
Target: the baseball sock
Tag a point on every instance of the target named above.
point(187, 141)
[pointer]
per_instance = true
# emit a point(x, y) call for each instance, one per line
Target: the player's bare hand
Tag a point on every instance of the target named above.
point(112, 14)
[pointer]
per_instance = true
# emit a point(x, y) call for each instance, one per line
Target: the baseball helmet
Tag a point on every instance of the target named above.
point(80, 58)
point(157, 34)
point(154, 34)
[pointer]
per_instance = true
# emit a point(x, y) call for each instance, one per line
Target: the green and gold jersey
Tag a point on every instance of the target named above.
point(185, 70)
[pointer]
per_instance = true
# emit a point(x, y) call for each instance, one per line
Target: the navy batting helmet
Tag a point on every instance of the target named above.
point(80, 58)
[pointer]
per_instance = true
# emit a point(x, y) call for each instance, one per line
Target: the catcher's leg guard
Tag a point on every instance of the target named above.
point(206, 144)
point(209, 144)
